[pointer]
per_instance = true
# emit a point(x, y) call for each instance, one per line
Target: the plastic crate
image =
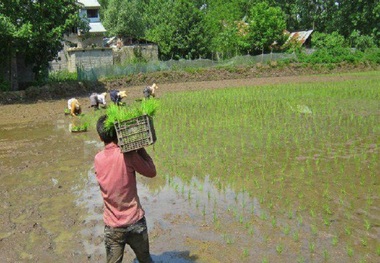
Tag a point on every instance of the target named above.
point(135, 133)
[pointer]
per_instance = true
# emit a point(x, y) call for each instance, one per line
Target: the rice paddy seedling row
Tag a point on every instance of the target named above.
point(299, 161)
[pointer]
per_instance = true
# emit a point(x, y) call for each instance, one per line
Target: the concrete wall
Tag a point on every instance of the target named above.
point(89, 58)
point(81, 41)
point(75, 43)
point(61, 63)
point(147, 52)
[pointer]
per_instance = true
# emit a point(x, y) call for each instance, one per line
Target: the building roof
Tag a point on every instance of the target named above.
point(97, 27)
point(300, 36)
point(89, 3)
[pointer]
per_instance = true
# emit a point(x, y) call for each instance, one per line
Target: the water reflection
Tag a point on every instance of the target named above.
point(175, 211)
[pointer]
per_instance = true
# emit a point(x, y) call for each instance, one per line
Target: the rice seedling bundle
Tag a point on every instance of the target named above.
point(133, 124)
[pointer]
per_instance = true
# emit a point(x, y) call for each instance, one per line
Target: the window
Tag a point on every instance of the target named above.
point(74, 30)
point(92, 13)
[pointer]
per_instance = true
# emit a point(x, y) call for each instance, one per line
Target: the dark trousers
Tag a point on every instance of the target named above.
point(147, 93)
point(136, 236)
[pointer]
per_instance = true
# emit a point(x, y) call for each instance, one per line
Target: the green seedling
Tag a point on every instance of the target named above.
point(312, 247)
point(364, 242)
point(301, 259)
point(325, 254)
point(314, 229)
point(286, 230)
point(348, 230)
point(296, 236)
point(279, 248)
point(79, 128)
point(350, 251)
point(367, 224)
point(274, 222)
point(251, 231)
point(245, 252)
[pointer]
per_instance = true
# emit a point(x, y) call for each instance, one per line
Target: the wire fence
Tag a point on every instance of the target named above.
point(97, 72)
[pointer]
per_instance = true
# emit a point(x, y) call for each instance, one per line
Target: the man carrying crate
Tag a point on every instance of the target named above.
point(123, 214)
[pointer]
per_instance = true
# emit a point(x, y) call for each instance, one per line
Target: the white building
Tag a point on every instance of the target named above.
point(89, 10)
point(84, 49)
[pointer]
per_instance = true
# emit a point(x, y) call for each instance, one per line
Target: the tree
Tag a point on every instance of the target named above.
point(363, 16)
point(176, 27)
point(124, 18)
point(221, 20)
point(266, 25)
point(159, 28)
point(291, 11)
point(361, 42)
point(330, 16)
point(36, 28)
point(328, 41)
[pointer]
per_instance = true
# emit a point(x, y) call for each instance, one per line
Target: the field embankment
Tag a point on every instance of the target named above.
point(65, 90)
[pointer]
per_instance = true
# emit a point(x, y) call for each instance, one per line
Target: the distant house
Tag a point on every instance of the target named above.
point(301, 37)
point(88, 50)
point(81, 48)
point(89, 10)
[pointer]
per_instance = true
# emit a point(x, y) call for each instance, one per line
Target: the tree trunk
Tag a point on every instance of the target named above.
point(14, 74)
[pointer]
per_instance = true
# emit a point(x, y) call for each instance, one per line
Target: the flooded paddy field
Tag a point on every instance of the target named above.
point(275, 170)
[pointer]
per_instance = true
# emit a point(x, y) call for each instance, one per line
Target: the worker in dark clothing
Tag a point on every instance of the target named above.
point(116, 96)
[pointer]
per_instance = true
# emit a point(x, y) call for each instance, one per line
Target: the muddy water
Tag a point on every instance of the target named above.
point(51, 208)
point(40, 166)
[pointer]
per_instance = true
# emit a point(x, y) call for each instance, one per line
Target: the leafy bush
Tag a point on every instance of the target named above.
point(361, 42)
point(332, 55)
point(4, 85)
point(63, 75)
point(333, 48)
point(372, 55)
point(323, 40)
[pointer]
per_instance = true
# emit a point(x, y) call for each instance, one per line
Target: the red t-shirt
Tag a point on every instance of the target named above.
point(116, 175)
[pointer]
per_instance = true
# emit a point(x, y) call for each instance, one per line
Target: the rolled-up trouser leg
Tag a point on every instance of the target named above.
point(136, 236)
point(115, 244)
point(138, 240)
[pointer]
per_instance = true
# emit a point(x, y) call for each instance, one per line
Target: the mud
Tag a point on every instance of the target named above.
point(51, 208)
